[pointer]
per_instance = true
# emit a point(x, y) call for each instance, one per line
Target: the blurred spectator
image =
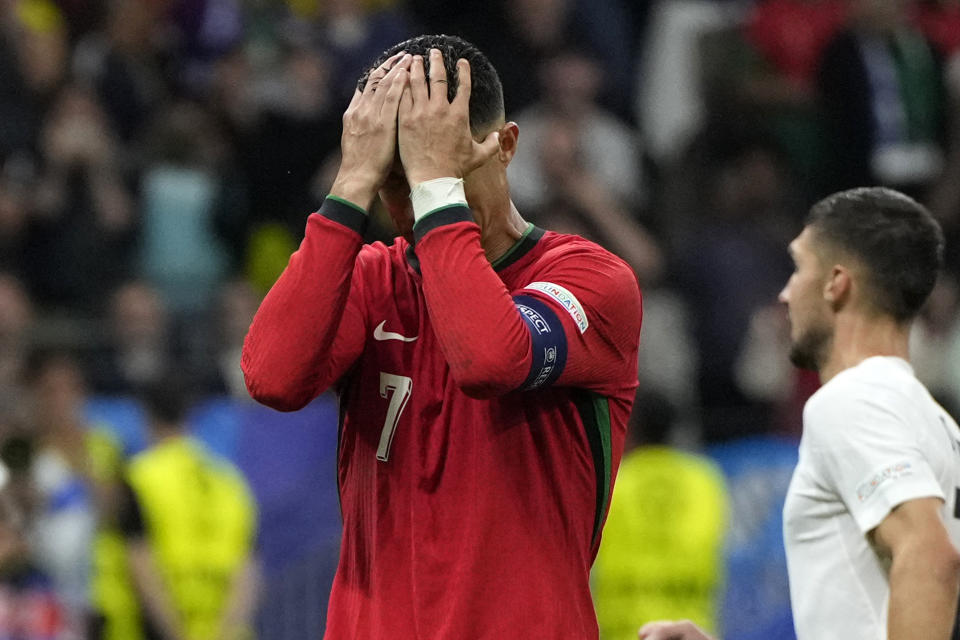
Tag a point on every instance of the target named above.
point(33, 53)
point(83, 225)
point(935, 343)
point(204, 30)
point(939, 20)
point(298, 127)
point(64, 523)
point(604, 145)
point(16, 317)
point(128, 64)
point(576, 199)
point(791, 35)
point(237, 302)
point(785, 40)
point(181, 253)
point(189, 521)
point(731, 262)
point(884, 102)
point(16, 177)
point(352, 35)
point(29, 607)
point(662, 550)
point(139, 349)
point(670, 102)
point(520, 34)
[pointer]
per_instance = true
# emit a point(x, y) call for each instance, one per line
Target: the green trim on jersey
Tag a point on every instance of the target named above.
point(516, 245)
point(594, 411)
point(348, 203)
point(520, 248)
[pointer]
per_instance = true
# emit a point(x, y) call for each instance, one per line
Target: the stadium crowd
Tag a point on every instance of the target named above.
point(158, 159)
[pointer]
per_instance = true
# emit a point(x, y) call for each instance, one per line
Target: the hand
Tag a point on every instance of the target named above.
point(682, 630)
point(434, 135)
point(369, 140)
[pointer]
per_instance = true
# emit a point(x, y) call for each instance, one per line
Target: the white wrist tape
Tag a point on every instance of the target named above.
point(434, 194)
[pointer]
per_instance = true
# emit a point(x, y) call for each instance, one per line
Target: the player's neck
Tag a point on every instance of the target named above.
point(859, 336)
point(501, 226)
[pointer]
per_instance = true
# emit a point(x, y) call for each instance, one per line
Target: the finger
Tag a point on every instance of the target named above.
point(418, 82)
point(377, 75)
point(657, 631)
point(485, 150)
point(398, 86)
point(354, 100)
point(464, 85)
point(380, 97)
point(406, 101)
point(438, 76)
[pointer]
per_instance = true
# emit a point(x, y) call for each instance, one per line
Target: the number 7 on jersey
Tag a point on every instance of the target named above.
point(400, 386)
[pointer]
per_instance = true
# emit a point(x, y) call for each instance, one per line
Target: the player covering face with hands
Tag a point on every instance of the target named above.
point(485, 367)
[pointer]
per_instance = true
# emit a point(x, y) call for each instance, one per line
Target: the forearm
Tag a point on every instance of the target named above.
point(241, 603)
point(286, 355)
point(153, 595)
point(481, 334)
point(923, 595)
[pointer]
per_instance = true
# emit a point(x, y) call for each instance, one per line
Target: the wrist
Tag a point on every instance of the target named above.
point(438, 193)
point(355, 190)
point(420, 175)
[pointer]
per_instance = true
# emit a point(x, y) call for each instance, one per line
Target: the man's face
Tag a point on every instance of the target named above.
point(395, 195)
point(811, 325)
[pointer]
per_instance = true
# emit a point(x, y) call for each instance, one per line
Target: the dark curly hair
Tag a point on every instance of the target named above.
point(486, 94)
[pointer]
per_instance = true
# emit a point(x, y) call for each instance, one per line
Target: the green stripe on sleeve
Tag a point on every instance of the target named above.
point(595, 413)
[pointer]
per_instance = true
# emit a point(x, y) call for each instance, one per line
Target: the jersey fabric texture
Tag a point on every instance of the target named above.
point(483, 416)
point(662, 550)
point(873, 438)
point(198, 518)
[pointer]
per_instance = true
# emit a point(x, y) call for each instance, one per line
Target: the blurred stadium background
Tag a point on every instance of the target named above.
point(158, 159)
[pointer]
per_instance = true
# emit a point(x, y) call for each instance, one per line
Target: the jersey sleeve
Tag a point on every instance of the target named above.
point(597, 299)
point(310, 328)
point(496, 340)
point(868, 453)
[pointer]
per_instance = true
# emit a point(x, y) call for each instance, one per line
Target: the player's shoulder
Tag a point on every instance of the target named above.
point(876, 391)
point(578, 257)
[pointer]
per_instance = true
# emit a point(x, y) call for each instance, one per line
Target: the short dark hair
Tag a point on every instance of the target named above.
point(486, 92)
point(895, 238)
point(166, 400)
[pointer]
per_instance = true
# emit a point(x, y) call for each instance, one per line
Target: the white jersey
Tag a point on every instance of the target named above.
point(873, 438)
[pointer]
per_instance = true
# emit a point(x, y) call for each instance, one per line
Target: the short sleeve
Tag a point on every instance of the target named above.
point(869, 454)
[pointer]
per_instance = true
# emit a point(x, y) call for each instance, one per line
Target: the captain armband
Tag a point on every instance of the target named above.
point(549, 342)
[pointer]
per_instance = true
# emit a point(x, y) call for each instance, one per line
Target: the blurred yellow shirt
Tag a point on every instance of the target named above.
point(661, 556)
point(200, 523)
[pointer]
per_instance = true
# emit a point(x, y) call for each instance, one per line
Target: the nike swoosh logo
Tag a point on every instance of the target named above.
point(380, 334)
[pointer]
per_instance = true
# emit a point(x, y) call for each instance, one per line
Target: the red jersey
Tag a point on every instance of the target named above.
point(483, 417)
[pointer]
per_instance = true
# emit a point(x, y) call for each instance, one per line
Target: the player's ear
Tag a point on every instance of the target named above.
point(837, 288)
point(509, 133)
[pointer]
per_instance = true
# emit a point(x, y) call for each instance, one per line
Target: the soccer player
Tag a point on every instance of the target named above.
point(485, 367)
point(871, 520)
